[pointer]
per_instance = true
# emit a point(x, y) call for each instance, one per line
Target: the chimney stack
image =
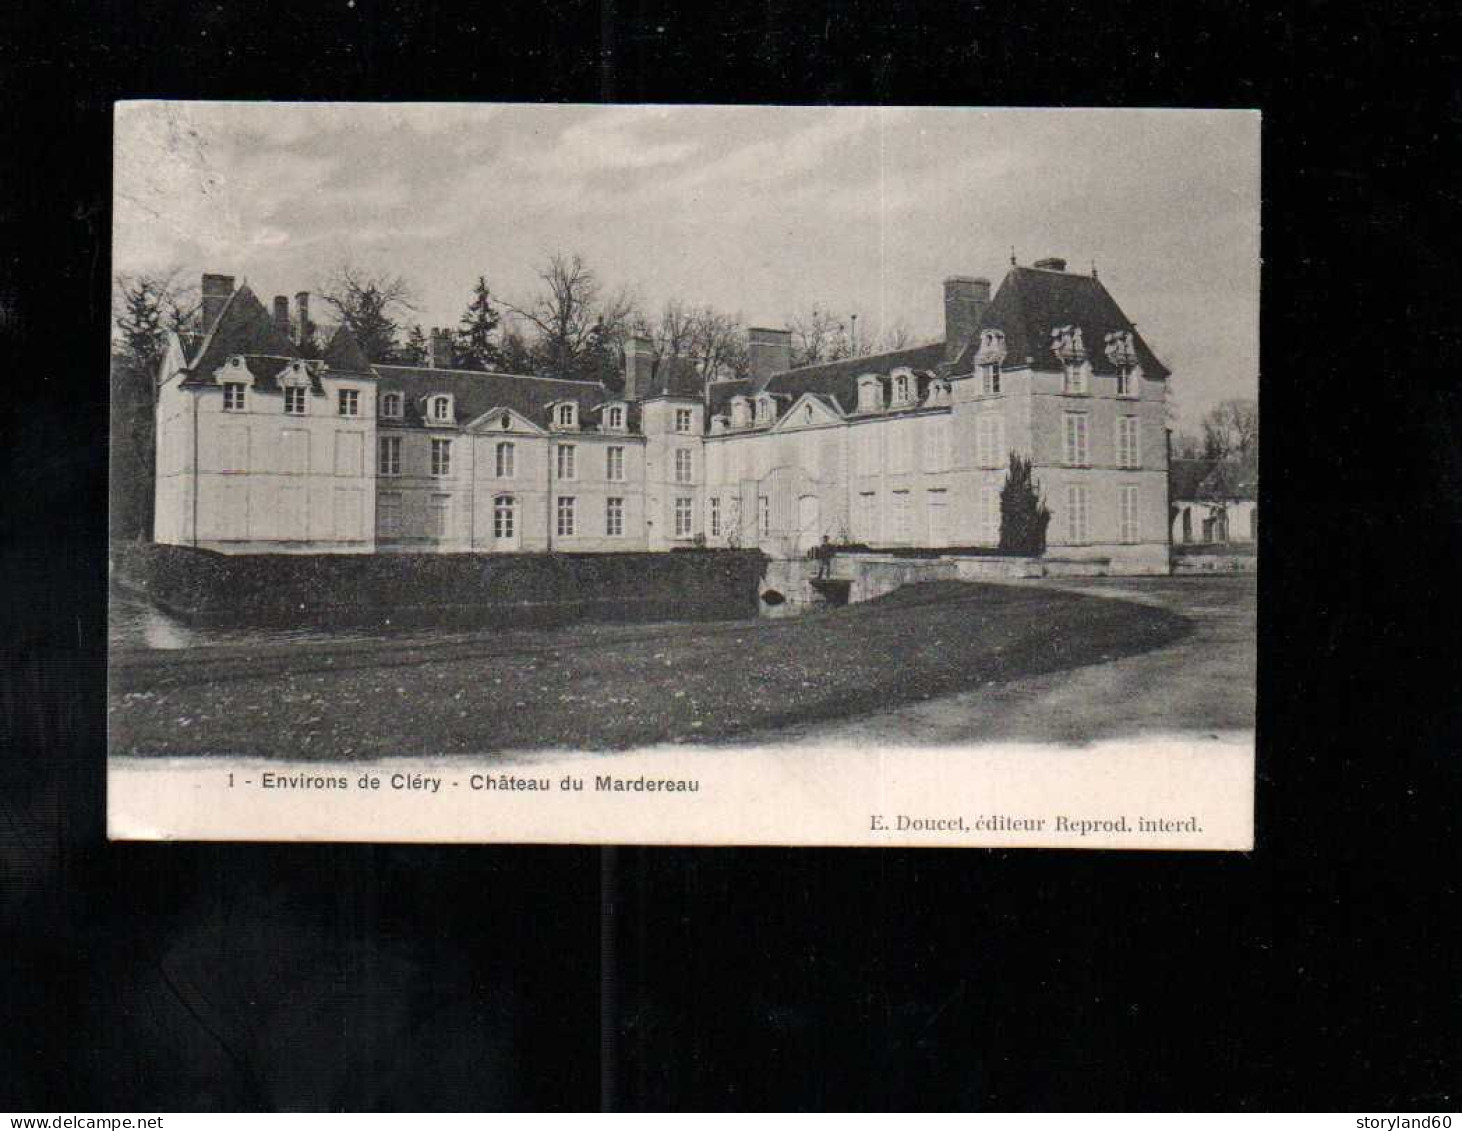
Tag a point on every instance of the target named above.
point(767, 351)
point(281, 316)
point(302, 315)
point(215, 291)
point(965, 300)
point(1053, 263)
point(441, 348)
point(639, 366)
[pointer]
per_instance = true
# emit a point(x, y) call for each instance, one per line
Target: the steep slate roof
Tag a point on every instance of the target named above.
point(675, 377)
point(243, 327)
point(1032, 301)
point(1185, 476)
point(839, 379)
point(344, 354)
point(474, 393)
point(721, 393)
point(1231, 479)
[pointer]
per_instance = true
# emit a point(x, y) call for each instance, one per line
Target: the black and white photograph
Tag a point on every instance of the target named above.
point(684, 475)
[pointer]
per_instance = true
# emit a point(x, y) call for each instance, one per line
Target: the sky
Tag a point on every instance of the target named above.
point(759, 211)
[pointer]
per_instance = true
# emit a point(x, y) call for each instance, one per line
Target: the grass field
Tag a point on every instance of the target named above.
point(609, 686)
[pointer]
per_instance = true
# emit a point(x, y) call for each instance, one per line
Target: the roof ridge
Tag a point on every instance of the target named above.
point(489, 373)
point(860, 357)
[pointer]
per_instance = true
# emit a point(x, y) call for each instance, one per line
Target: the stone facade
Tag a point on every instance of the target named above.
point(906, 449)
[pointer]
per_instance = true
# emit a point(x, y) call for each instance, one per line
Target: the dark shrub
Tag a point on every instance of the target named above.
point(1024, 515)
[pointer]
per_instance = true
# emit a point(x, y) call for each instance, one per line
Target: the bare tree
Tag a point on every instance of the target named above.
point(897, 336)
point(373, 304)
point(1231, 430)
point(818, 336)
point(564, 312)
point(718, 345)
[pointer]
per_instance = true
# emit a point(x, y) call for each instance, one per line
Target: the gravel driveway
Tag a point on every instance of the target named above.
point(1202, 684)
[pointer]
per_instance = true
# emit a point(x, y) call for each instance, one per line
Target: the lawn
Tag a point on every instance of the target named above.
point(610, 686)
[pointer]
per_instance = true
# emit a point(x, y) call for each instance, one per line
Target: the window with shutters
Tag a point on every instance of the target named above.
point(390, 455)
point(441, 458)
point(713, 517)
point(1127, 513)
point(1075, 450)
point(1076, 514)
point(1129, 452)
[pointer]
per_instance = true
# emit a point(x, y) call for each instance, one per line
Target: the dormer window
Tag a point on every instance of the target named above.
point(766, 409)
point(938, 392)
point(1125, 383)
point(870, 393)
point(233, 396)
point(905, 387)
point(439, 409)
point(294, 400)
point(349, 402)
point(740, 412)
point(1074, 377)
point(990, 378)
point(684, 420)
point(719, 424)
point(1121, 351)
point(566, 415)
point(614, 417)
point(391, 406)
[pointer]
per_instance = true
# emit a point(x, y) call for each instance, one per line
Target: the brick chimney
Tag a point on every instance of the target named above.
point(302, 316)
point(215, 290)
point(965, 300)
point(281, 315)
point(767, 351)
point(639, 366)
point(441, 348)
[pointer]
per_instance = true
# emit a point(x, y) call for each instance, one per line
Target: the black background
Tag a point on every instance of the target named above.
point(1319, 971)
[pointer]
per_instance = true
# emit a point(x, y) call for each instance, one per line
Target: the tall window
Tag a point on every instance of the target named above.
point(614, 418)
point(504, 516)
point(441, 408)
point(506, 458)
point(682, 465)
point(936, 444)
point(990, 378)
point(1074, 379)
point(1127, 513)
point(683, 418)
point(990, 515)
point(566, 461)
point(1075, 451)
point(437, 512)
point(388, 515)
point(233, 396)
point(349, 402)
point(1126, 386)
point(390, 455)
point(764, 514)
point(294, 400)
point(565, 516)
point(614, 517)
point(391, 406)
point(990, 440)
point(683, 517)
point(614, 464)
point(713, 516)
point(900, 516)
point(900, 389)
point(868, 516)
point(1129, 445)
point(1077, 530)
point(565, 415)
point(441, 458)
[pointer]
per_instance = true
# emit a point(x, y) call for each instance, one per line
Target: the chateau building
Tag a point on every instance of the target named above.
point(262, 449)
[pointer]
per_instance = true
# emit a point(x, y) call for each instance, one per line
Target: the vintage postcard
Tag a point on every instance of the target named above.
point(684, 475)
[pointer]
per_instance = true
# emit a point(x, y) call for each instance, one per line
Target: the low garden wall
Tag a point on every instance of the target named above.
point(1218, 557)
point(201, 586)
